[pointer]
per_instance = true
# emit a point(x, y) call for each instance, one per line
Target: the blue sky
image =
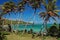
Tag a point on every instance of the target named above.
point(27, 14)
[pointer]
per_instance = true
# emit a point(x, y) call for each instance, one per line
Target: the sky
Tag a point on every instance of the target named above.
point(27, 13)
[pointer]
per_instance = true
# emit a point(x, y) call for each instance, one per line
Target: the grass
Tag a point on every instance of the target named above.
point(58, 38)
point(13, 36)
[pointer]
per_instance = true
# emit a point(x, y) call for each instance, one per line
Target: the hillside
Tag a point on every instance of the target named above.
point(6, 21)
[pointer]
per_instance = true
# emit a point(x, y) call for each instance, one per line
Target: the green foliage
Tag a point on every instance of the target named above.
point(31, 31)
point(53, 31)
point(58, 39)
point(3, 33)
point(59, 26)
point(55, 24)
point(2, 36)
point(59, 32)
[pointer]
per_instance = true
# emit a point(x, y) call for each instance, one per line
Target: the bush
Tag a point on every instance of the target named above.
point(53, 31)
point(31, 31)
point(59, 32)
point(2, 34)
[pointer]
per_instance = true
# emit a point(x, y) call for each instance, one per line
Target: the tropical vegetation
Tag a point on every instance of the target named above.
point(51, 10)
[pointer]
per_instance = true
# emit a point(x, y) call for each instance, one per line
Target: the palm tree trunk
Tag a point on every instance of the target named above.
point(33, 22)
point(42, 29)
point(45, 25)
point(0, 21)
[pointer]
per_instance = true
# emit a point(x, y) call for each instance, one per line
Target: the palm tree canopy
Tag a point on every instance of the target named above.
point(50, 10)
point(50, 7)
point(21, 6)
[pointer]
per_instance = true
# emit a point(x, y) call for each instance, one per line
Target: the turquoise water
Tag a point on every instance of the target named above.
point(36, 27)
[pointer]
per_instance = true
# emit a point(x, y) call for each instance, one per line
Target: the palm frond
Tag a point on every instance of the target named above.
point(42, 15)
point(20, 6)
point(54, 18)
point(44, 3)
point(56, 11)
point(2, 14)
point(54, 1)
point(47, 17)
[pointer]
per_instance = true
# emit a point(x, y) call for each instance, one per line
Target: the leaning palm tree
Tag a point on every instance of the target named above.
point(5, 9)
point(21, 8)
point(35, 4)
point(8, 7)
point(51, 11)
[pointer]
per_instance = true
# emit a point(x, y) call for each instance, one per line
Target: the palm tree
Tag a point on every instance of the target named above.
point(1, 14)
point(51, 11)
point(7, 7)
point(21, 8)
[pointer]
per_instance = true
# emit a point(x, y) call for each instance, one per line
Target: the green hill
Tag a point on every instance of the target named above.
point(6, 21)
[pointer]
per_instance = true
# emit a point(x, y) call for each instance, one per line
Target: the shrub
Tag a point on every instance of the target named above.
point(59, 32)
point(53, 31)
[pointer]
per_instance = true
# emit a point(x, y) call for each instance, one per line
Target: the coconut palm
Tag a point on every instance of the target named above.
point(35, 4)
point(8, 7)
point(21, 6)
point(1, 14)
point(51, 10)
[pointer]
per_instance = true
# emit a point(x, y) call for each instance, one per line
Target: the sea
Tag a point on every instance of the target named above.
point(35, 27)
